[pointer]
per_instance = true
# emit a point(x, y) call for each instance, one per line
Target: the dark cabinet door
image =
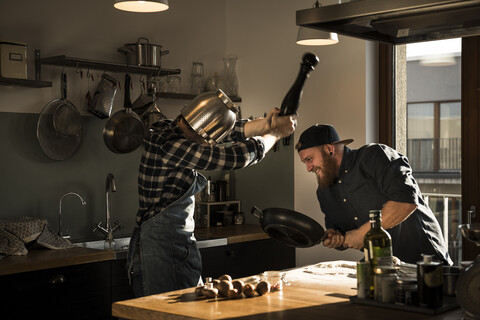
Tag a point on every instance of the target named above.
point(213, 261)
point(246, 258)
point(120, 286)
point(255, 257)
point(75, 292)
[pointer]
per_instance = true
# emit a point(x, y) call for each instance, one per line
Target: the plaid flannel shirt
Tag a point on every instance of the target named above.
point(169, 161)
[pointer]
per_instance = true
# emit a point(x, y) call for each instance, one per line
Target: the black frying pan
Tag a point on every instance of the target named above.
point(290, 227)
point(124, 131)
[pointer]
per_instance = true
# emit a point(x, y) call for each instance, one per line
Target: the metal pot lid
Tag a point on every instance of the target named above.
point(131, 47)
point(59, 129)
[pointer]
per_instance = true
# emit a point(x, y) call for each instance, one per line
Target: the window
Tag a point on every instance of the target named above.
point(434, 136)
point(433, 129)
point(444, 184)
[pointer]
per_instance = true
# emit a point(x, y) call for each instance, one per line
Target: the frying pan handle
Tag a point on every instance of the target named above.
point(325, 236)
point(257, 212)
point(63, 86)
point(127, 103)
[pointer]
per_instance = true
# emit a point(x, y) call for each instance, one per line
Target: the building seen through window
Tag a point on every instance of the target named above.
point(433, 132)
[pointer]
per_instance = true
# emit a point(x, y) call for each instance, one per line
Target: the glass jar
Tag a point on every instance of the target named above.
point(174, 84)
point(384, 283)
point(231, 75)
point(406, 291)
point(197, 85)
point(275, 278)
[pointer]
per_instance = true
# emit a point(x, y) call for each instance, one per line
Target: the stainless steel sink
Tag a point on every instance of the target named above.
point(121, 245)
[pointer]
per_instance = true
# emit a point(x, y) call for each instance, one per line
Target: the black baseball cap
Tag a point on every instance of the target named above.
point(318, 135)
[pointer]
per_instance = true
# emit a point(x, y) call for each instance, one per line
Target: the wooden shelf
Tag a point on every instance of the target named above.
point(106, 66)
point(186, 96)
point(24, 83)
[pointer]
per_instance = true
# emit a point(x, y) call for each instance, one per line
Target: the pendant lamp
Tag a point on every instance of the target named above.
point(314, 37)
point(141, 6)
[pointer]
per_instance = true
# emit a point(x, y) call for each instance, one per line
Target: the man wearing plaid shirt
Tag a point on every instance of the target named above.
point(163, 255)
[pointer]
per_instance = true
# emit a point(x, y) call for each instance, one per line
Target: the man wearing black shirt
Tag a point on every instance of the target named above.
point(353, 182)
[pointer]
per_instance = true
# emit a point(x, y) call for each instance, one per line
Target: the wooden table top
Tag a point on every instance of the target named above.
point(307, 297)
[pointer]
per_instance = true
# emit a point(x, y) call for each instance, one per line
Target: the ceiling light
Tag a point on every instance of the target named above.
point(141, 6)
point(314, 37)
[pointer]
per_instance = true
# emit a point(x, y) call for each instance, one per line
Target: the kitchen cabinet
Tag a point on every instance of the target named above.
point(120, 288)
point(74, 292)
point(83, 291)
point(254, 257)
point(246, 258)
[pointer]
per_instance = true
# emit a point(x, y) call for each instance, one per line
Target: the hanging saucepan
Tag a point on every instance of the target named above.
point(290, 227)
point(124, 131)
point(59, 127)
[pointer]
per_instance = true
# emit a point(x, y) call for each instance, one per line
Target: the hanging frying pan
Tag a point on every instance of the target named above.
point(290, 227)
point(124, 131)
point(59, 126)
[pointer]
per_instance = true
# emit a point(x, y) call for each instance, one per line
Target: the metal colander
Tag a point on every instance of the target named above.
point(212, 115)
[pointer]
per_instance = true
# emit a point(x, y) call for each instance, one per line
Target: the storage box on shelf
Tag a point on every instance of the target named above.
point(213, 214)
point(13, 60)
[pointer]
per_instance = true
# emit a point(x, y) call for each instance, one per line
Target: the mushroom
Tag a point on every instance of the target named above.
point(263, 287)
point(249, 290)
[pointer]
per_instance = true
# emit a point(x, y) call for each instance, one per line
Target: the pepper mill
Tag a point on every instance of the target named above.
point(292, 99)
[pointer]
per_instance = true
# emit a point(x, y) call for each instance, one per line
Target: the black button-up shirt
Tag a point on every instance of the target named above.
point(368, 178)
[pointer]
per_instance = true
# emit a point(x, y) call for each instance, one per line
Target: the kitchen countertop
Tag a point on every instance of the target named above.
point(314, 292)
point(42, 258)
point(233, 233)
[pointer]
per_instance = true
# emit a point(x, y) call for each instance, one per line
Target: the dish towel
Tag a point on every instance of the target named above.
point(16, 233)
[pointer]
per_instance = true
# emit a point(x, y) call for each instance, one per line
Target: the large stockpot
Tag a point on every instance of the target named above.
point(143, 53)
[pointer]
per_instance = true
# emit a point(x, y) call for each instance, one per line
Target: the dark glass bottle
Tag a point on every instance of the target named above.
point(291, 101)
point(377, 245)
point(430, 282)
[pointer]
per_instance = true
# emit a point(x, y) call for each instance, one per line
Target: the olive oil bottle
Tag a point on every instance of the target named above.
point(377, 245)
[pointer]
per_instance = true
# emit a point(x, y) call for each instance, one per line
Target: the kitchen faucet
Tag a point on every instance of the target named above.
point(60, 212)
point(110, 186)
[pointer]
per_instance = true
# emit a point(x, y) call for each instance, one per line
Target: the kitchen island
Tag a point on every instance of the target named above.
point(314, 292)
